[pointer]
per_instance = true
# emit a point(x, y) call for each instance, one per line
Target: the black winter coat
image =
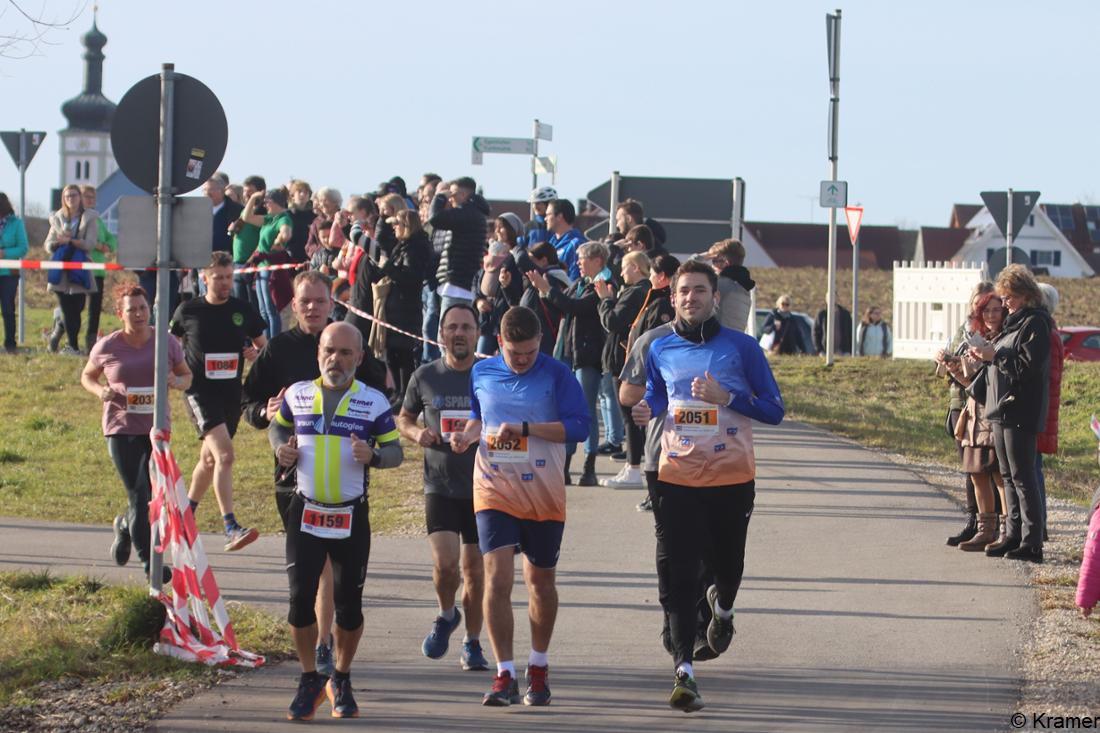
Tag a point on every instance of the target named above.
point(584, 334)
point(406, 268)
point(1017, 382)
point(461, 256)
point(658, 311)
point(617, 315)
point(548, 314)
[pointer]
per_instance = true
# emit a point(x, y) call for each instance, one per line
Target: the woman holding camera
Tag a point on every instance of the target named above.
point(973, 431)
point(1016, 392)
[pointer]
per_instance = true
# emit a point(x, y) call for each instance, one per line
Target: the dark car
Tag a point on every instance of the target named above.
point(1082, 343)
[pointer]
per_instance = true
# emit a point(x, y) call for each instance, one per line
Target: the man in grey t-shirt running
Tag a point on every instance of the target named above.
point(441, 391)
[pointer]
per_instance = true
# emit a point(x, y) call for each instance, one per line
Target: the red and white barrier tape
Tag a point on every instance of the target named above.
point(382, 323)
point(55, 265)
point(187, 632)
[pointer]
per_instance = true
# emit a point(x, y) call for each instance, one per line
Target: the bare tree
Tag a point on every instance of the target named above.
point(26, 31)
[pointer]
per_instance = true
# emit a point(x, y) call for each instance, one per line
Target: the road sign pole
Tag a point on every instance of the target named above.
point(1008, 229)
point(833, 28)
point(535, 164)
point(165, 199)
point(737, 220)
point(612, 204)
point(855, 292)
point(23, 216)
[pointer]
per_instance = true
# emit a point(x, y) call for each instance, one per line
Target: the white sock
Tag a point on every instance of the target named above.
point(448, 614)
point(538, 659)
point(468, 638)
point(509, 667)
point(720, 612)
point(686, 669)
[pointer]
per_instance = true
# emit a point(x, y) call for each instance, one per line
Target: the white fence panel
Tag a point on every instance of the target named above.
point(931, 301)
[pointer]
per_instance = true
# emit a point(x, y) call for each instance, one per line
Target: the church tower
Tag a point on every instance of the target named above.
point(86, 155)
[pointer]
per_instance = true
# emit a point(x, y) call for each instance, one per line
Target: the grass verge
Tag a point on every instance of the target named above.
point(54, 463)
point(77, 628)
point(900, 406)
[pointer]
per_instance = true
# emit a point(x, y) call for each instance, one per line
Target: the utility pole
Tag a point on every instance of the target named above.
point(832, 31)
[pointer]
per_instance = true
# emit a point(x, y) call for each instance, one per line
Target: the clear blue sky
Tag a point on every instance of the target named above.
point(939, 100)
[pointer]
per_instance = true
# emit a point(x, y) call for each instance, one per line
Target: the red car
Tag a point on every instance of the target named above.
point(1082, 343)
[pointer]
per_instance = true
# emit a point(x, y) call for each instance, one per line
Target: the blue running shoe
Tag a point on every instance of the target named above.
point(343, 703)
point(472, 657)
point(311, 691)
point(436, 643)
point(324, 661)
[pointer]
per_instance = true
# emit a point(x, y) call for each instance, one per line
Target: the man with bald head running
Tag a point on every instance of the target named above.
point(331, 429)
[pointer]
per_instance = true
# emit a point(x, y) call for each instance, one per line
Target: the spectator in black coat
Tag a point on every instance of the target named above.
point(226, 211)
point(842, 330)
point(458, 209)
point(402, 275)
point(302, 215)
point(543, 258)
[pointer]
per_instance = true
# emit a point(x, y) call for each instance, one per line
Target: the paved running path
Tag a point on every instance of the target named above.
point(853, 615)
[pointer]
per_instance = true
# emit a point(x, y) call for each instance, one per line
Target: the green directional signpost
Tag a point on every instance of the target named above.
point(506, 145)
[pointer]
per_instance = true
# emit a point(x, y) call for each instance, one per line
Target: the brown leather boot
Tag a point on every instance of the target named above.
point(987, 532)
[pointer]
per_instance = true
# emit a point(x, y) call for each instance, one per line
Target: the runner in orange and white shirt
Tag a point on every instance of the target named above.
point(524, 407)
point(711, 382)
point(218, 332)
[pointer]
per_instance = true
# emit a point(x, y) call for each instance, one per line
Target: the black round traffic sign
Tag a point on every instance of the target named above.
point(199, 133)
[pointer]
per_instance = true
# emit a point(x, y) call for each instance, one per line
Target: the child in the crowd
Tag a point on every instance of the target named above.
point(323, 258)
point(1088, 584)
point(341, 293)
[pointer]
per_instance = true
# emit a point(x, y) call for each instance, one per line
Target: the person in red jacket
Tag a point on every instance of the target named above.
point(1048, 439)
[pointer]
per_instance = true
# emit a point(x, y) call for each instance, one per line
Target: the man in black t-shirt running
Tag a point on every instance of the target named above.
point(441, 391)
point(218, 333)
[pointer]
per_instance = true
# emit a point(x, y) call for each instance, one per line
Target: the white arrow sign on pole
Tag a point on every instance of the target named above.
point(544, 131)
point(545, 165)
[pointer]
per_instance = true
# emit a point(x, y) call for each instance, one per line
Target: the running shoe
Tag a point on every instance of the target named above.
point(323, 655)
point(120, 548)
point(645, 505)
point(627, 478)
point(473, 659)
point(720, 631)
point(343, 702)
point(436, 642)
point(685, 694)
point(538, 691)
point(504, 692)
point(311, 691)
point(239, 537)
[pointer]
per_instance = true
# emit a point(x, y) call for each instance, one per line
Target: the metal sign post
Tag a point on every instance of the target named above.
point(22, 145)
point(854, 217)
point(165, 199)
point(832, 32)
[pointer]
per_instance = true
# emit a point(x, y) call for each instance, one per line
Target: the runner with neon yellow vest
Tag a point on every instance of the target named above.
point(332, 429)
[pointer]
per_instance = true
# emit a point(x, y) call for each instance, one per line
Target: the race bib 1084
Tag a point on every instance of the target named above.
point(222, 366)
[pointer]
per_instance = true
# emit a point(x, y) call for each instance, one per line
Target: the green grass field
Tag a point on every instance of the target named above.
point(900, 406)
point(79, 628)
point(54, 463)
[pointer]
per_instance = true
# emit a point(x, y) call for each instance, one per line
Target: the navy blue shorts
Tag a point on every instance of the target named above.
point(539, 541)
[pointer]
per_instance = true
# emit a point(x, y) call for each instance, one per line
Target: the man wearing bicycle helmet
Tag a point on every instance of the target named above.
point(536, 231)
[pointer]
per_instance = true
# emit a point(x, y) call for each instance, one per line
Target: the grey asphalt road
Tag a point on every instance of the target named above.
point(853, 616)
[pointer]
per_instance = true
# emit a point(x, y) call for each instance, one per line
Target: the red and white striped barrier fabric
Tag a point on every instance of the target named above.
point(187, 632)
point(382, 323)
point(55, 265)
